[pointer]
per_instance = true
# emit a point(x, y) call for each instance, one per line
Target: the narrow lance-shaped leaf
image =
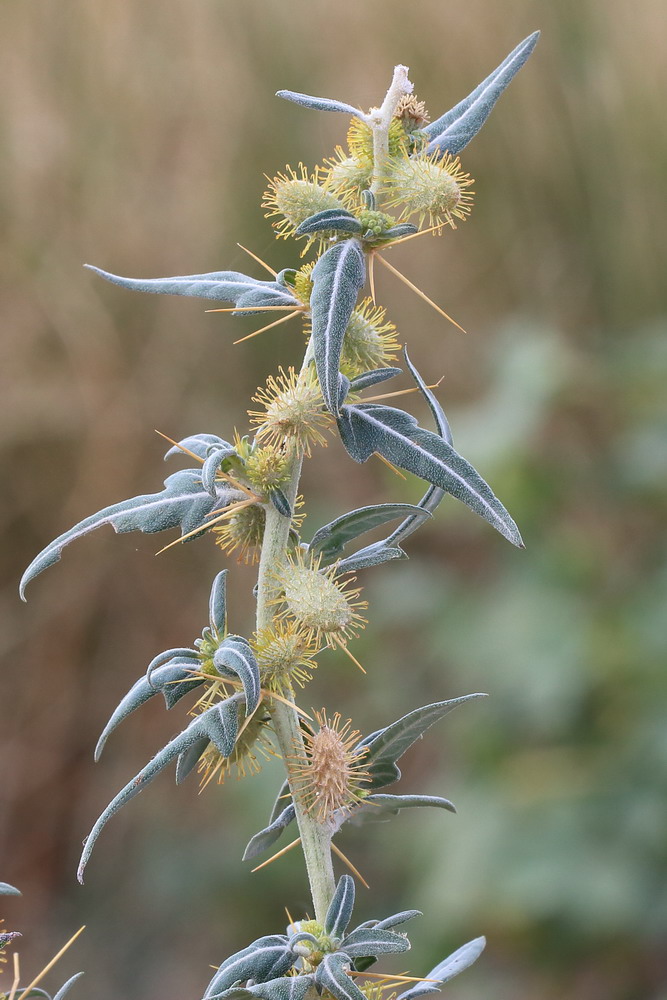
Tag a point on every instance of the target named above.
point(332, 538)
point(328, 221)
point(453, 131)
point(384, 805)
point(331, 976)
point(217, 604)
point(391, 743)
point(207, 725)
point(8, 890)
point(396, 435)
point(284, 988)
point(200, 445)
point(337, 278)
point(183, 503)
point(367, 379)
point(459, 960)
point(367, 942)
point(222, 286)
point(340, 908)
point(319, 103)
point(268, 836)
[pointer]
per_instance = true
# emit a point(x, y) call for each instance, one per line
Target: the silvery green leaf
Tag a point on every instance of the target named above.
point(360, 382)
point(453, 131)
point(175, 655)
point(332, 538)
point(174, 678)
point(8, 890)
point(330, 220)
point(331, 976)
point(340, 908)
point(268, 836)
point(223, 286)
point(188, 760)
point(217, 604)
point(282, 798)
point(254, 962)
point(7, 937)
point(434, 494)
point(287, 276)
point(343, 388)
point(319, 103)
point(66, 987)
point(183, 503)
point(371, 555)
point(367, 942)
point(391, 743)
point(280, 502)
point(284, 988)
point(209, 469)
point(459, 960)
point(260, 296)
point(396, 435)
point(396, 232)
point(392, 804)
point(235, 658)
point(209, 724)
point(398, 918)
point(337, 278)
point(201, 445)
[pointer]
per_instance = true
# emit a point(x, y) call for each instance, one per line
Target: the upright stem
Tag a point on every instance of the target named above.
point(315, 837)
point(380, 120)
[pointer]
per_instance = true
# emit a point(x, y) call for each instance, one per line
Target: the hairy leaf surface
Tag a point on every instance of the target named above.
point(319, 103)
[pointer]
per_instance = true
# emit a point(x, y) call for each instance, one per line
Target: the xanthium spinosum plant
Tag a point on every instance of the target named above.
point(399, 177)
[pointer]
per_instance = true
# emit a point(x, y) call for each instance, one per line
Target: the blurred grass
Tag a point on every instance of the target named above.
point(135, 135)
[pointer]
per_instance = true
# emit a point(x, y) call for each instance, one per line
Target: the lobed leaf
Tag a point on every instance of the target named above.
point(212, 725)
point(396, 435)
point(337, 278)
point(171, 679)
point(340, 908)
point(183, 503)
point(332, 538)
point(319, 103)
point(457, 962)
point(453, 131)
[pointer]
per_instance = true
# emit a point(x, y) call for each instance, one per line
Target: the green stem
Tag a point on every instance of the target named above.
point(315, 837)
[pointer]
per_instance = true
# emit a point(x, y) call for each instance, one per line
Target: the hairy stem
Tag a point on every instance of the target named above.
point(315, 837)
point(380, 120)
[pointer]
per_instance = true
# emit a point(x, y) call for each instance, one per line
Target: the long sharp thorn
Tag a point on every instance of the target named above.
point(371, 276)
point(204, 527)
point(418, 292)
point(342, 645)
point(17, 976)
point(258, 259)
point(337, 851)
point(276, 322)
point(401, 392)
point(389, 465)
point(274, 857)
point(50, 965)
point(254, 309)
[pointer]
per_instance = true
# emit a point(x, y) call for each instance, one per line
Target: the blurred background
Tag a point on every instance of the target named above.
point(135, 136)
